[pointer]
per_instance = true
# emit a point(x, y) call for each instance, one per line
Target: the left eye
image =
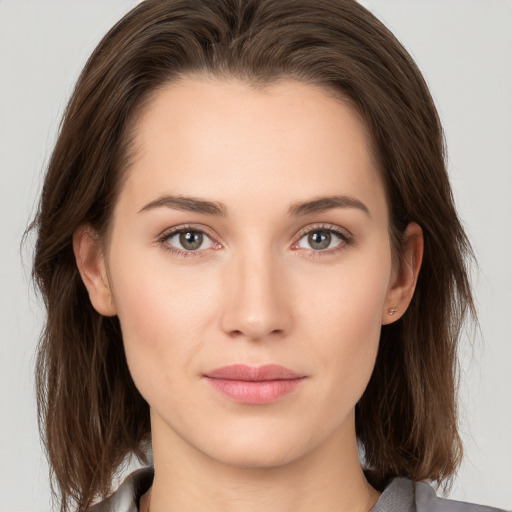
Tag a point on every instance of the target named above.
point(190, 240)
point(320, 239)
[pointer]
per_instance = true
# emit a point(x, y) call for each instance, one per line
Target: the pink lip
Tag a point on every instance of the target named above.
point(254, 385)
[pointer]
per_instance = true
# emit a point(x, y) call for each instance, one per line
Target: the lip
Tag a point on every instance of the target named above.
point(255, 385)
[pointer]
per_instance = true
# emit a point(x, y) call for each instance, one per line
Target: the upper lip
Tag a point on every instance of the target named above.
point(253, 373)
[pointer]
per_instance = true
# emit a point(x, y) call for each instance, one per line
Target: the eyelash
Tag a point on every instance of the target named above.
point(164, 238)
point(344, 237)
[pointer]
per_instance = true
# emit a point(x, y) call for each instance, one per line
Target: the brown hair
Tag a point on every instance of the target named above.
point(91, 415)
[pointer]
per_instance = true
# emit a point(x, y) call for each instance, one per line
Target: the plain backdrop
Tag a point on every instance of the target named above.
point(464, 48)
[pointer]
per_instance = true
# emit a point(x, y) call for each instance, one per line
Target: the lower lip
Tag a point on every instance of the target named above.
point(258, 392)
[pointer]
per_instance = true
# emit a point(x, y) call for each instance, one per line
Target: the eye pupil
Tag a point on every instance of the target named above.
point(191, 240)
point(319, 239)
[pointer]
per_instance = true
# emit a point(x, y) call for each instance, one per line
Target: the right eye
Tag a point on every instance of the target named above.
point(187, 241)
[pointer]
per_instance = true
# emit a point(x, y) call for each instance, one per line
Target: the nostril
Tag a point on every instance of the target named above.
point(255, 312)
point(237, 333)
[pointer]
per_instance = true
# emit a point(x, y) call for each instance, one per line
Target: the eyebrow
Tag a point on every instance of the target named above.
point(197, 205)
point(323, 204)
point(187, 204)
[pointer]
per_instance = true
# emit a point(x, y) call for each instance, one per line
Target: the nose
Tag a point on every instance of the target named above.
point(256, 304)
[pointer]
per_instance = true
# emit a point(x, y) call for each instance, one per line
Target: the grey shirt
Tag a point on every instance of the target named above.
point(401, 495)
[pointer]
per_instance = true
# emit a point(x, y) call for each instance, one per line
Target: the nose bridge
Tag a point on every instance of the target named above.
point(256, 306)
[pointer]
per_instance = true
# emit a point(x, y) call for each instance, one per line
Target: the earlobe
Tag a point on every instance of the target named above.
point(91, 265)
point(402, 289)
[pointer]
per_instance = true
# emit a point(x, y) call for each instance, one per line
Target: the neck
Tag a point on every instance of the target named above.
point(327, 479)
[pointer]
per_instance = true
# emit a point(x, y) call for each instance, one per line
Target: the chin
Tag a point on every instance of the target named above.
point(261, 450)
point(256, 457)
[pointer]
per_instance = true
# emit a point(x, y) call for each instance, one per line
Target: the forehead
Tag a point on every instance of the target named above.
point(216, 137)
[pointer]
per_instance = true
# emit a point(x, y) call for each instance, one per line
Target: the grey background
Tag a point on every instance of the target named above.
point(464, 48)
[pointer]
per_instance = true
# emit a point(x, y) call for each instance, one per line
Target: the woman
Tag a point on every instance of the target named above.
point(251, 263)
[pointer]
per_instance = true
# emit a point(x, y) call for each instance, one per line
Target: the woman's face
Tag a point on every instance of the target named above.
point(252, 230)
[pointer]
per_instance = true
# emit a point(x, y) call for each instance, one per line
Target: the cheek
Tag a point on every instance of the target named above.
point(164, 313)
point(349, 296)
point(346, 319)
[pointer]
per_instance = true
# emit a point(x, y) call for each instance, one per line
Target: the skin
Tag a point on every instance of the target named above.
point(257, 291)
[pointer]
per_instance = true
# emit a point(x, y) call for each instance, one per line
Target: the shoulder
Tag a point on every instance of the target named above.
point(427, 500)
point(127, 496)
point(404, 495)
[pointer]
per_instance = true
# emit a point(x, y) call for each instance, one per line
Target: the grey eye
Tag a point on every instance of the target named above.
point(320, 239)
point(190, 240)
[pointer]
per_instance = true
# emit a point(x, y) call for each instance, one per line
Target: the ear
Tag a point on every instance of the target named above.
point(91, 265)
point(405, 277)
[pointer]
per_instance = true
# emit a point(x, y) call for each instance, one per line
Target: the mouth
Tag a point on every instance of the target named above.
point(254, 385)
